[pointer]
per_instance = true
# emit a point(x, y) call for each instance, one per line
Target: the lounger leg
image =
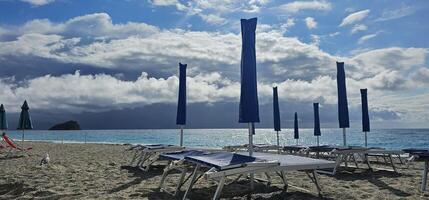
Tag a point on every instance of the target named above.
point(182, 177)
point(393, 164)
point(191, 184)
point(284, 179)
point(425, 176)
point(268, 179)
point(219, 188)
point(316, 181)
point(164, 175)
point(367, 162)
point(338, 163)
point(142, 159)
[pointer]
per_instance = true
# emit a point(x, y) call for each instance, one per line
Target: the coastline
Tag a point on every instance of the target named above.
point(102, 171)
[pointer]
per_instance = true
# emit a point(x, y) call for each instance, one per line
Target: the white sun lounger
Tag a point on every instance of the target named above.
point(387, 155)
point(219, 166)
point(148, 154)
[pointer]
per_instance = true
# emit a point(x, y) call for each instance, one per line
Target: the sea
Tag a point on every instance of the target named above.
point(218, 138)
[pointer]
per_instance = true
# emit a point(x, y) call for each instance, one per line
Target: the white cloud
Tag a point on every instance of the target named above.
point(334, 34)
point(38, 2)
point(298, 6)
point(304, 71)
point(355, 17)
point(396, 13)
point(213, 19)
point(367, 37)
point(310, 22)
point(358, 27)
point(290, 22)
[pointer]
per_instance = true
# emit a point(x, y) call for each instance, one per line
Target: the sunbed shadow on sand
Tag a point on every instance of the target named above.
point(139, 176)
point(235, 190)
point(11, 157)
point(374, 177)
point(15, 189)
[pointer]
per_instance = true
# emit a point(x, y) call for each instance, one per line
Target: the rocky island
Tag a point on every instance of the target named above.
point(69, 125)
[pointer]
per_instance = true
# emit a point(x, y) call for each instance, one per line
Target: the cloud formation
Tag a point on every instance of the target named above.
point(297, 6)
point(354, 17)
point(310, 22)
point(302, 70)
point(38, 2)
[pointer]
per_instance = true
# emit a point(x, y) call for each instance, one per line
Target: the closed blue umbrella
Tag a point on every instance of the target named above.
point(24, 120)
point(343, 110)
point(296, 129)
point(365, 114)
point(3, 120)
point(249, 107)
point(317, 132)
point(276, 112)
point(181, 104)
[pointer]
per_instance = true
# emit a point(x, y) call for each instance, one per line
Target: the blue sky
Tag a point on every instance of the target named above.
point(118, 52)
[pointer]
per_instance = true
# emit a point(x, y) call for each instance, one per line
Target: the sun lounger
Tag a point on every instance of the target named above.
point(341, 154)
point(256, 148)
point(387, 156)
point(148, 154)
point(423, 156)
point(217, 166)
point(12, 146)
point(294, 149)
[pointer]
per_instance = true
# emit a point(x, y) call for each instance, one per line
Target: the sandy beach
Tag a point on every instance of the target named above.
point(102, 171)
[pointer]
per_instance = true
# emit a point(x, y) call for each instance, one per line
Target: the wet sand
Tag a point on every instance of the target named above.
point(102, 171)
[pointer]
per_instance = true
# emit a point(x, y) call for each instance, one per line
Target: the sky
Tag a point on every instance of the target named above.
point(113, 64)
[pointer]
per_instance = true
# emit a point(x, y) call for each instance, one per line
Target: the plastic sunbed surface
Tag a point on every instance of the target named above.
point(291, 162)
point(222, 160)
point(181, 154)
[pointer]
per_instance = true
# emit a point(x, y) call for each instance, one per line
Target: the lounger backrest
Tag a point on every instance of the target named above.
point(10, 142)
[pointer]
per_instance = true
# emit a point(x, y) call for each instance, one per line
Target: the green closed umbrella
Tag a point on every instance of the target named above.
point(3, 120)
point(24, 120)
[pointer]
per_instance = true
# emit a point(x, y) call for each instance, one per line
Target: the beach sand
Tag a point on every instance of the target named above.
point(102, 171)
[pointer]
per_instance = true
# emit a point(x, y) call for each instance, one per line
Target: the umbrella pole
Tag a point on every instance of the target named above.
point(296, 142)
point(317, 138)
point(278, 141)
point(181, 135)
point(366, 140)
point(251, 132)
point(85, 137)
point(22, 142)
point(344, 137)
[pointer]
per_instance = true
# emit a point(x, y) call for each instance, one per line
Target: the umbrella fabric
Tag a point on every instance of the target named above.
point(365, 115)
point(296, 131)
point(3, 120)
point(181, 105)
point(316, 120)
point(249, 107)
point(24, 118)
point(276, 110)
point(343, 110)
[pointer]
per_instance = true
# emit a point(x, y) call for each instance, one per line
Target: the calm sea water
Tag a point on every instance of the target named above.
point(217, 138)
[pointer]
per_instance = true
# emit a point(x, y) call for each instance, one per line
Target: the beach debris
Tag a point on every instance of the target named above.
point(45, 160)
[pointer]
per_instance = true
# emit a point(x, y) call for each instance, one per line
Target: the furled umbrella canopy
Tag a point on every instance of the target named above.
point(365, 114)
point(276, 113)
point(316, 132)
point(3, 119)
point(295, 127)
point(181, 104)
point(343, 110)
point(24, 118)
point(249, 107)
